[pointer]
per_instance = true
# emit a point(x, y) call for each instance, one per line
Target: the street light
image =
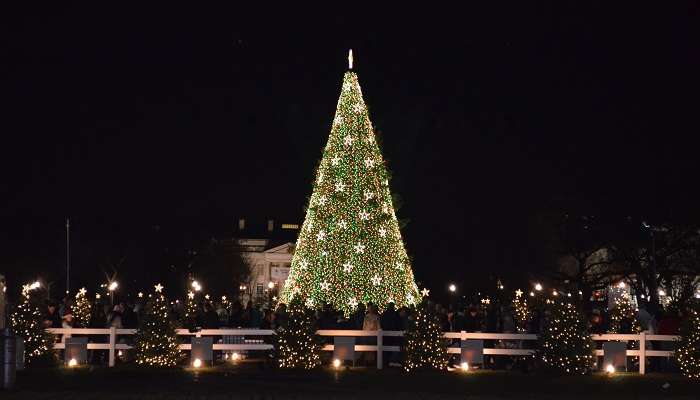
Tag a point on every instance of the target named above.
point(453, 288)
point(538, 287)
point(196, 286)
point(270, 285)
point(112, 287)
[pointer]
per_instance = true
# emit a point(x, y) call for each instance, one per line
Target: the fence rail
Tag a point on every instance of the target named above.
point(112, 346)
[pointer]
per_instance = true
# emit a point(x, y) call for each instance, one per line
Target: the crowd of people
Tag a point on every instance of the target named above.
point(490, 318)
point(493, 318)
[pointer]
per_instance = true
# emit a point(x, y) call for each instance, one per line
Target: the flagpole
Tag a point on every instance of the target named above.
point(67, 256)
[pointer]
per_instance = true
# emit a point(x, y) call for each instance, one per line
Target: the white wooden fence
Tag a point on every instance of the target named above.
point(112, 346)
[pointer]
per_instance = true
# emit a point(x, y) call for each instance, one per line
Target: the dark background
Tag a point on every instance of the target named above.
point(156, 128)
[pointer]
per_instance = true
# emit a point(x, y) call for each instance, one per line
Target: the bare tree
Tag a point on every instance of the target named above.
point(221, 265)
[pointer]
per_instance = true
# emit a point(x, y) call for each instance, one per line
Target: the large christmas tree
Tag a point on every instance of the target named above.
point(350, 249)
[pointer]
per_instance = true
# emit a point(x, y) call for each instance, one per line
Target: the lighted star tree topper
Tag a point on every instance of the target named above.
point(350, 249)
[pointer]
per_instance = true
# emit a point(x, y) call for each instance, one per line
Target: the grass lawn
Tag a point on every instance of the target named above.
point(257, 382)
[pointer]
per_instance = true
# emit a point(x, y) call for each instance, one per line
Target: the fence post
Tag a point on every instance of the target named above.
point(642, 353)
point(112, 344)
point(66, 335)
point(380, 349)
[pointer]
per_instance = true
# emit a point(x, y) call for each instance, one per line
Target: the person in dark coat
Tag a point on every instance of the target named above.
point(358, 318)
point(268, 321)
point(281, 316)
point(473, 321)
point(328, 319)
point(235, 319)
point(251, 316)
point(391, 321)
point(459, 321)
point(210, 318)
point(129, 319)
point(51, 317)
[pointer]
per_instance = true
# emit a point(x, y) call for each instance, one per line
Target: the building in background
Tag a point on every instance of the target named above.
point(267, 246)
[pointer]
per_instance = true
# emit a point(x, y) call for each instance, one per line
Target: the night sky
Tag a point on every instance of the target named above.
point(180, 120)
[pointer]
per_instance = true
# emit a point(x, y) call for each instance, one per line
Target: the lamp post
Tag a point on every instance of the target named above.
point(67, 256)
point(653, 291)
point(112, 287)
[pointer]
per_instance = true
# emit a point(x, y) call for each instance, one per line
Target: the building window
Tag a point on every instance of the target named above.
point(241, 224)
point(259, 290)
point(290, 226)
point(270, 225)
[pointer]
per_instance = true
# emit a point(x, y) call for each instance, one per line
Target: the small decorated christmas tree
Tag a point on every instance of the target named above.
point(82, 309)
point(688, 349)
point(156, 339)
point(426, 348)
point(521, 312)
point(27, 323)
point(623, 317)
point(297, 345)
point(565, 344)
